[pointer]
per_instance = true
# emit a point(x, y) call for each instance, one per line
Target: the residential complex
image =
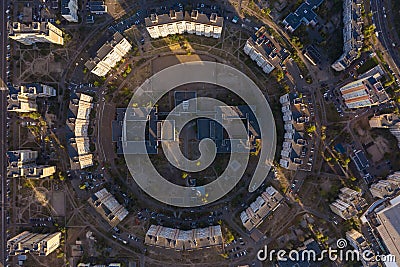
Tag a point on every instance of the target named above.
point(26, 98)
point(389, 227)
point(303, 14)
point(352, 34)
point(348, 203)
point(358, 242)
point(364, 92)
point(386, 188)
point(69, 10)
point(108, 55)
point(24, 104)
point(108, 207)
point(35, 32)
point(263, 206)
point(261, 50)
point(179, 22)
point(294, 147)
point(389, 121)
point(37, 90)
point(206, 127)
point(40, 244)
point(22, 163)
point(177, 239)
point(78, 123)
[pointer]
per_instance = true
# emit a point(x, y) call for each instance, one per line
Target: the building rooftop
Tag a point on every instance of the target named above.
point(31, 30)
point(184, 239)
point(389, 228)
point(268, 201)
point(304, 13)
point(174, 16)
point(109, 208)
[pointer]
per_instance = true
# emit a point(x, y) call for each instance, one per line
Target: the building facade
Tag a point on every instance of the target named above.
point(264, 205)
point(35, 32)
point(177, 239)
point(22, 163)
point(348, 203)
point(109, 55)
point(182, 22)
point(359, 243)
point(386, 188)
point(352, 34)
point(40, 244)
point(38, 90)
point(108, 207)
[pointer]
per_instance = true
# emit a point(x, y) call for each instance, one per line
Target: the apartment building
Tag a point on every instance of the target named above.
point(39, 244)
point(177, 239)
point(26, 97)
point(69, 10)
point(386, 188)
point(364, 92)
point(35, 32)
point(37, 172)
point(22, 163)
point(389, 121)
point(359, 243)
point(108, 55)
point(24, 104)
point(18, 158)
point(303, 14)
point(294, 146)
point(79, 124)
point(264, 205)
point(179, 22)
point(108, 207)
point(37, 90)
point(352, 34)
point(348, 203)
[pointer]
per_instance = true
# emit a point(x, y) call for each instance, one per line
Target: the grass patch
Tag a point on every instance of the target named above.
point(369, 64)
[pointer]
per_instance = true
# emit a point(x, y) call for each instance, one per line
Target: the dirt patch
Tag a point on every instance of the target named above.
point(58, 203)
point(168, 61)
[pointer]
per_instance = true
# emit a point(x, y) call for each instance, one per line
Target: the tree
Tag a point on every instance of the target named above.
point(96, 83)
point(279, 75)
point(61, 176)
point(311, 129)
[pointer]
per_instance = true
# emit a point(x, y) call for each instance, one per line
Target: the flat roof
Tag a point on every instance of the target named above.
point(390, 229)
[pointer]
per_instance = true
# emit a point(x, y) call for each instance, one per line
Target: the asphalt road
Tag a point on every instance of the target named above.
point(3, 130)
point(377, 8)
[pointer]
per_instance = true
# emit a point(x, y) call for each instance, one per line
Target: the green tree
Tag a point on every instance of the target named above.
point(311, 129)
point(279, 75)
